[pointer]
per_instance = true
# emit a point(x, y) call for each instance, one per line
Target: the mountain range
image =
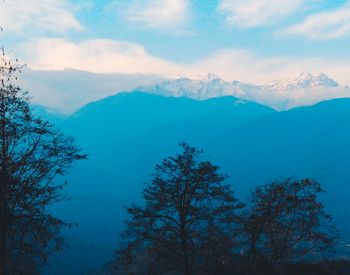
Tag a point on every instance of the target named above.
point(125, 135)
point(68, 90)
point(304, 89)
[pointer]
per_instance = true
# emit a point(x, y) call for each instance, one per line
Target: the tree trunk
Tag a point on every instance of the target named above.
point(3, 205)
point(3, 228)
point(187, 267)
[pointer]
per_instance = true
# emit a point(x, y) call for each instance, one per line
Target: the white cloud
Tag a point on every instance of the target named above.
point(113, 56)
point(99, 56)
point(156, 14)
point(246, 66)
point(67, 90)
point(324, 25)
point(256, 13)
point(33, 16)
point(102, 59)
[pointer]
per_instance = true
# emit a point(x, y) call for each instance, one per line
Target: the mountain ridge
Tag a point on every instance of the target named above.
point(302, 90)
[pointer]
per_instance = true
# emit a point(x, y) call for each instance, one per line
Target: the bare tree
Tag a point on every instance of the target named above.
point(286, 223)
point(188, 220)
point(32, 154)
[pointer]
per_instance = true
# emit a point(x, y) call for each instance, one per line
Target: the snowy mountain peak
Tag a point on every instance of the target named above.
point(303, 89)
point(207, 86)
point(325, 81)
point(209, 77)
point(302, 81)
point(304, 76)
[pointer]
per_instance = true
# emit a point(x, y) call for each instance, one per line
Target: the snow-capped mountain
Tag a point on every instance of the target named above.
point(303, 81)
point(304, 89)
point(202, 88)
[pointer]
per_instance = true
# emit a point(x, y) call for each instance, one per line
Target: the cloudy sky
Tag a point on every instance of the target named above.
point(249, 40)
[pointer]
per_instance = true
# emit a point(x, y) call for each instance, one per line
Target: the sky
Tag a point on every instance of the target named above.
point(248, 40)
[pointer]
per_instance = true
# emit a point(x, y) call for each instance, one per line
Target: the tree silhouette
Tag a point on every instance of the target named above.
point(188, 220)
point(286, 223)
point(32, 154)
point(8, 67)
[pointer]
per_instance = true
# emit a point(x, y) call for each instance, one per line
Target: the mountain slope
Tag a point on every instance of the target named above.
point(304, 142)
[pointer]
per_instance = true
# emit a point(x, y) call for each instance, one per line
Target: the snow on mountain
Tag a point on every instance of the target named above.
point(304, 89)
point(302, 81)
point(202, 88)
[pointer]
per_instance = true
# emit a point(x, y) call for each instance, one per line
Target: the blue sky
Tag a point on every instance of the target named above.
point(249, 40)
point(181, 32)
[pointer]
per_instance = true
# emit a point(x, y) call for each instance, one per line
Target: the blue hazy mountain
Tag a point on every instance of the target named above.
point(125, 128)
point(127, 134)
point(304, 142)
point(47, 114)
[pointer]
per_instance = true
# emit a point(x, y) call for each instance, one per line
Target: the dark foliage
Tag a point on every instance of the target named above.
point(187, 223)
point(324, 267)
point(286, 224)
point(32, 154)
point(8, 67)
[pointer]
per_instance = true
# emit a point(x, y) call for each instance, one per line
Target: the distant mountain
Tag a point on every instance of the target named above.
point(127, 115)
point(305, 142)
point(304, 89)
point(47, 114)
point(209, 86)
point(303, 81)
point(67, 90)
